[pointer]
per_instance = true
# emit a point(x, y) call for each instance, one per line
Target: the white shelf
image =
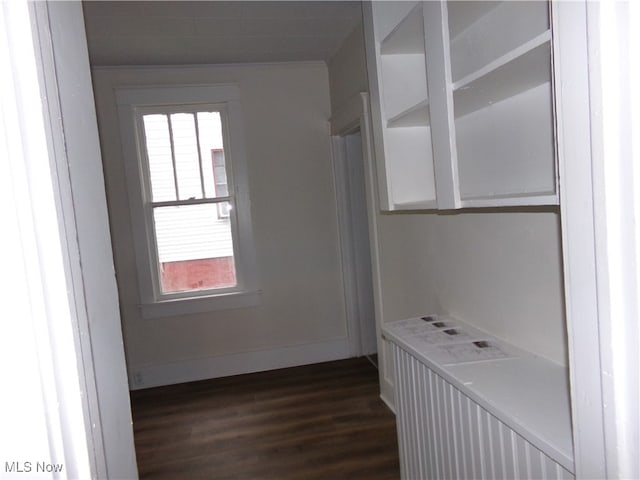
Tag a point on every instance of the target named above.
point(511, 200)
point(407, 36)
point(521, 69)
point(497, 30)
point(409, 167)
point(402, 92)
point(415, 116)
point(462, 15)
point(425, 205)
point(506, 151)
point(527, 393)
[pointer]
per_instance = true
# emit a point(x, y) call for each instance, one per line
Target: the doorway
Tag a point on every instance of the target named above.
point(354, 240)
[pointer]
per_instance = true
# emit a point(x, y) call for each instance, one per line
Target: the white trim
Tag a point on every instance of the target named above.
point(176, 95)
point(598, 188)
point(348, 118)
point(349, 178)
point(345, 234)
point(87, 230)
point(191, 305)
point(237, 364)
point(78, 335)
point(389, 404)
point(42, 410)
point(343, 123)
point(208, 66)
point(381, 195)
point(571, 70)
point(371, 182)
point(615, 122)
point(576, 203)
point(65, 206)
point(227, 99)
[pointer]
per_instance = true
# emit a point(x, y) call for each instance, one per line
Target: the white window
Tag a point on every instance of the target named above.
point(187, 184)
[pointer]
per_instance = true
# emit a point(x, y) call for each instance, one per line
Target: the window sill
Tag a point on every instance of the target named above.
point(188, 306)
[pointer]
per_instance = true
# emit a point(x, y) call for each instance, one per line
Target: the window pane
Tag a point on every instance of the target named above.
point(219, 173)
point(210, 128)
point(156, 131)
point(195, 247)
point(185, 145)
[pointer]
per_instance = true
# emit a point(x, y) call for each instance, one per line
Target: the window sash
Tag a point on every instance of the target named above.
point(167, 112)
point(155, 266)
point(191, 201)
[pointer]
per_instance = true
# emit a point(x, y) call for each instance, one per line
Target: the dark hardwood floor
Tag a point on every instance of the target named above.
point(323, 421)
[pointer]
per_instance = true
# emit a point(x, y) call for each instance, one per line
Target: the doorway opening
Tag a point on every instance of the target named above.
point(354, 240)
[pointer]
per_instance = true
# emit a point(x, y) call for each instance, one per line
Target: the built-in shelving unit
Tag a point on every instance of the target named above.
point(481, 32)
point(502, 100)
point(406, 175)
point(484, 135)
point(522, 69)
point(414, 116)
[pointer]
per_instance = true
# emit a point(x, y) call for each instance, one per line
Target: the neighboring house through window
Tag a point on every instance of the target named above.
point(220, 179)
point(189, 200)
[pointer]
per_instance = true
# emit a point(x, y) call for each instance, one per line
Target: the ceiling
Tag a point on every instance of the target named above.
point(208, 32)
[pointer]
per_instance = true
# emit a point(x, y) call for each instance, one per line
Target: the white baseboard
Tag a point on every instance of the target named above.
point(388, 402)
point(236, 364)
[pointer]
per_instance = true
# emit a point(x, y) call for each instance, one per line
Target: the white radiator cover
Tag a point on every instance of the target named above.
point(444, 434)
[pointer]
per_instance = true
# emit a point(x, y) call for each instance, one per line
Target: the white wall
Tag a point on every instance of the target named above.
point(500, 271)
point(348, 70)
point(301, 317)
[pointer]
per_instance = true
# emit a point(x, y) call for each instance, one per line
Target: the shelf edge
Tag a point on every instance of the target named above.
point(503, 60)
point(413, 109)
point(398, 28)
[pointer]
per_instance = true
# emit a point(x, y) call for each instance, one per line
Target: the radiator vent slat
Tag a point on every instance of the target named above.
point(444, 434)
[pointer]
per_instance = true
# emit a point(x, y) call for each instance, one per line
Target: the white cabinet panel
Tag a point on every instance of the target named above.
point(476, 77)
point(401, 105)
point(502, 148)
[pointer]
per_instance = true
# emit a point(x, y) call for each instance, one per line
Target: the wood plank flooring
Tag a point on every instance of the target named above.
point(323, 421)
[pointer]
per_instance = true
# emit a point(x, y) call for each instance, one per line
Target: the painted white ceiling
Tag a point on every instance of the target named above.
point(207, 32)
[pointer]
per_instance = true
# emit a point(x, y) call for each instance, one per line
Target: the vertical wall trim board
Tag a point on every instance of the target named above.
point(69, 102)
point(345, 240)
point(342, 122)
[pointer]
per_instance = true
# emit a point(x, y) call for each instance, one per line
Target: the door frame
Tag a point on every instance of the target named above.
point(360, 317)
point(355, 115)
point(597, 110)
point(68, 111)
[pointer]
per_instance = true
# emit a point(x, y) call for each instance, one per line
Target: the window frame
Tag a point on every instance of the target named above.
point(133, 103)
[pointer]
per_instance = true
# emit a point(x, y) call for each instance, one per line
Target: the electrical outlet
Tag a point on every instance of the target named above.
point(137, 378)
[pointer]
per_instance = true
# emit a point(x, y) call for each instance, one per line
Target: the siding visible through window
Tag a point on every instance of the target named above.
point(194, 241)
